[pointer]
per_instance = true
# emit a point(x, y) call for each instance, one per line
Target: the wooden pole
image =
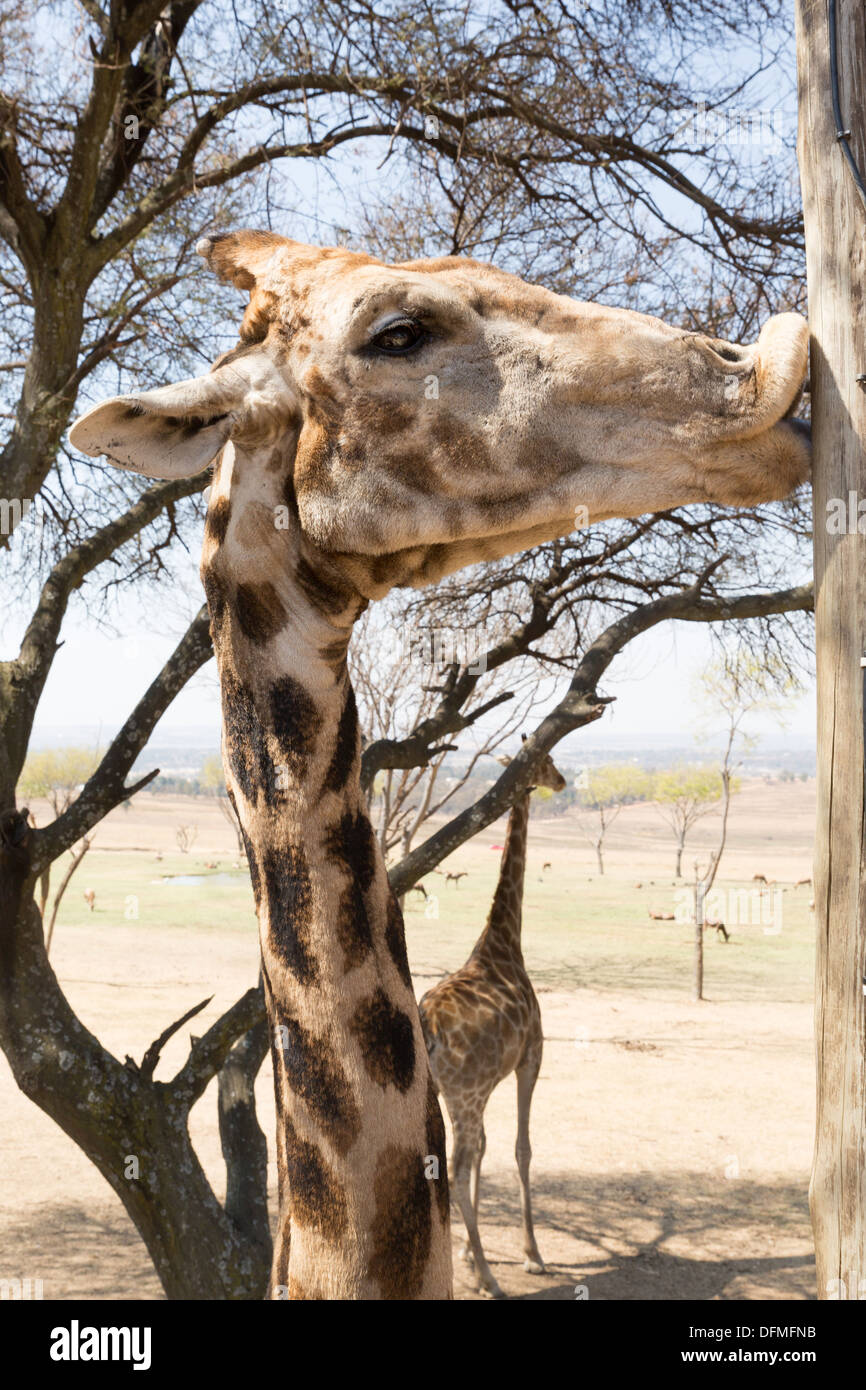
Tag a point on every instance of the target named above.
point(835, 222)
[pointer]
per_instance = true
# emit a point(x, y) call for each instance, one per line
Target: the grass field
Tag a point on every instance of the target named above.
point(587, 932)
point(581, 930)
point(672, 1139)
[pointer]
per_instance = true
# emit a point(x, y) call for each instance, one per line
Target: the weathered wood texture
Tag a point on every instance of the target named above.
point(836, 256)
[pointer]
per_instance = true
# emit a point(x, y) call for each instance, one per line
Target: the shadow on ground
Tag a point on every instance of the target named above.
point(612, 1237)
point(647, 1236)
point(78, 1252)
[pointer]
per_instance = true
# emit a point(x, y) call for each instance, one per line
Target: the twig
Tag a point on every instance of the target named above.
point(62, 886)
point(151, 1056)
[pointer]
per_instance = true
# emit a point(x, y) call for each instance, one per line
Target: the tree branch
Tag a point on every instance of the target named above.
point(106, 788)
point(151, 1056)
point(77, 856)
point(22, 226)
point(208, 1054)
point(23, 680)
point(142, 100)
point(243, 1142)
point(419, 747)
point(581, 705)
point(128, 24)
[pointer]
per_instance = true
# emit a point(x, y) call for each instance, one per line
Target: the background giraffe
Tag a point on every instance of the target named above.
point(482, 1023)
point(341, 475)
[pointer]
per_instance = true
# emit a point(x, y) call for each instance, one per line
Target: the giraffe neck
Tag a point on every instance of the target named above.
point(360, 1141)
point(501, 935)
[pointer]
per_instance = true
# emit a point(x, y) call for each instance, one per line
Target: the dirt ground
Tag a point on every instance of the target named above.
point(672, 1140)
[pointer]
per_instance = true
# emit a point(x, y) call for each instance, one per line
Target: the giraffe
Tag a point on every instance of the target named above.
point(482, 1023)
point(382, 425)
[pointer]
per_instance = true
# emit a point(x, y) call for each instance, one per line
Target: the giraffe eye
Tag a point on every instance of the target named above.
point(399, 338)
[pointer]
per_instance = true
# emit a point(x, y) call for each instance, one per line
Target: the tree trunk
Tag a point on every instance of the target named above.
point(244, 1146)
point(386, 812)
point(681, 844)
point(599, 855)
point(836, 257)
point(134, 1129)
point(228, 811)
point(699, 940)
point(405, 847)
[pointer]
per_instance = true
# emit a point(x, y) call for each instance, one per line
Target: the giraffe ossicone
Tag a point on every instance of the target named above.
point(543, 406)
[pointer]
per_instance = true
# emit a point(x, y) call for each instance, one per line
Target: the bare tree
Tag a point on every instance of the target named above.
point(56, 774)
point(186, 836)
point(402, 675)
point(582, 704)
point(738, 685)
point(213, 779)
point(602, 792)
point(683, 796)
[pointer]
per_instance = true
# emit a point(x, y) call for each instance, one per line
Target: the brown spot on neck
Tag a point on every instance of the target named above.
point(260, 612)
point(402, 1224)
point(387, 1042)
point(325, 588)
point(317, 1199)
point(318, 1078)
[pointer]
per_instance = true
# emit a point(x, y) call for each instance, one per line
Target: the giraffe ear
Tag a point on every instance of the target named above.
point(173, 432)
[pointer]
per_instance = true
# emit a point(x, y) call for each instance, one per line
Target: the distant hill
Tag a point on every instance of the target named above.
point(181, 751)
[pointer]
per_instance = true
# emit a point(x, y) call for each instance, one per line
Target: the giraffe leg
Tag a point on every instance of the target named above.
point(474, 1184)
point(527, 1075)
point(467, 1145)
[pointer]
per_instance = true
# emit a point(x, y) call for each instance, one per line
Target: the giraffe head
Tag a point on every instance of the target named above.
point(545, 772)
point(427, 415)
